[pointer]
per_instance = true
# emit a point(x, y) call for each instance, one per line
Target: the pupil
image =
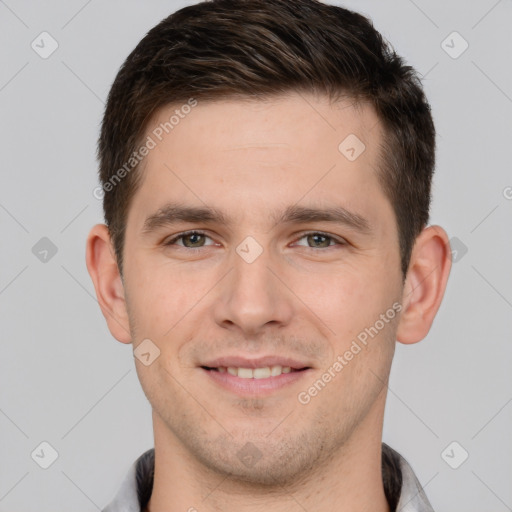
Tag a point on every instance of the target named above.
point(317, 239)
point(193, 238)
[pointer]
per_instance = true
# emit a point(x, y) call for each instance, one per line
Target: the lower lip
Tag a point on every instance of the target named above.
point(252, 387)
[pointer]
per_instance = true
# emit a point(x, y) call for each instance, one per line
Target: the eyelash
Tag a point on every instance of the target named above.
point(180, 236)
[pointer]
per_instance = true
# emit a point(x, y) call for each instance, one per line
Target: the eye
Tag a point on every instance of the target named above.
point(198, 239)
point(318, 240)
point(189, 240)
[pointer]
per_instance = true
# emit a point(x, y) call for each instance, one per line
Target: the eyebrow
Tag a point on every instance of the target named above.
point(335, 214)
point(173, 213)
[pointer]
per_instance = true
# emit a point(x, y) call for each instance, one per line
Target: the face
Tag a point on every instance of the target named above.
point(262, 260)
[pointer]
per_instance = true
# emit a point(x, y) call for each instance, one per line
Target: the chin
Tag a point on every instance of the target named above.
point(261, 463)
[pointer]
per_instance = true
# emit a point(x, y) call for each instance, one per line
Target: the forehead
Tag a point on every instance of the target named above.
point(247, 154)
point(293, 121)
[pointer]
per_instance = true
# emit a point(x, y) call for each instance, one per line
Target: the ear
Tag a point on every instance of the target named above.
point(102, 266)
point(425, 284)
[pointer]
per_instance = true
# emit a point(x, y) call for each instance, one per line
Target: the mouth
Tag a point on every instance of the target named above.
point(256, 377)
point(264, 372)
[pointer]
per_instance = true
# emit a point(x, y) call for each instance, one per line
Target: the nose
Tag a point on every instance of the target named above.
point(252, 298)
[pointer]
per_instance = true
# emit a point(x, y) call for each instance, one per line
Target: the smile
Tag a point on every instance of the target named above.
point(254, 382)
point(254, 373)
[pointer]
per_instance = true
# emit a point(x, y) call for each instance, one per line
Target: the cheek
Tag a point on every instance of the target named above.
point(347, 301)
point(165, 299)
point(157, 297)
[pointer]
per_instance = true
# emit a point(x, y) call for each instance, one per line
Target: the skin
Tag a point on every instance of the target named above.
point(306, 297)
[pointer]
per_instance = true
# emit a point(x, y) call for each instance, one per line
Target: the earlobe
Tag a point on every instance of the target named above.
point(425, 284)
point(104, 272)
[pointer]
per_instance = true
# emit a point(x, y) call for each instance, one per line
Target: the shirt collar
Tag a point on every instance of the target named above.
point(400, 485)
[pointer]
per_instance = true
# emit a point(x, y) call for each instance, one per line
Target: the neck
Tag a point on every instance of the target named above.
point(350, 479)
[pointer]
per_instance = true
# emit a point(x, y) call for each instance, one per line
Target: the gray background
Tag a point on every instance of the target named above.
point(66, 381)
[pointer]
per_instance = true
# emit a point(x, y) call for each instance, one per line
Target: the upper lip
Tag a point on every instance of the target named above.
point(260, 362)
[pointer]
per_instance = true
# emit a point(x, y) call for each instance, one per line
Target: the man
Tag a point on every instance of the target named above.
point(266, 172)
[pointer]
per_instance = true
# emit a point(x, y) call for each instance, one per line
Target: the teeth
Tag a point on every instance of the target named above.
point(256, 373)
point(260, 373)
point(276, 370)
point(245, 373)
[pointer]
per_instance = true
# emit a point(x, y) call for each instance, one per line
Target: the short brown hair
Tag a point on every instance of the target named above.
point(224, 49)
